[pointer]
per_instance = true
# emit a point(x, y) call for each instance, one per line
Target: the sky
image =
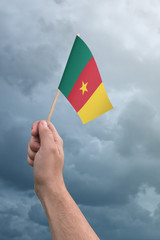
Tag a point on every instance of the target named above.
point(112, 166)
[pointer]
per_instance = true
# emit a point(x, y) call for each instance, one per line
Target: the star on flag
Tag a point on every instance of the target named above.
point(84, 87)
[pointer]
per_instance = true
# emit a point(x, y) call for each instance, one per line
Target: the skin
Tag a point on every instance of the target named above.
point(46, 156)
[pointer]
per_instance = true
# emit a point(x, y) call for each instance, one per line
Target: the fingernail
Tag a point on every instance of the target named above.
point(44, 123)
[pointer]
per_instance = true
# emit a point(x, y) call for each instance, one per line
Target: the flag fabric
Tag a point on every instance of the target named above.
point(82, 85)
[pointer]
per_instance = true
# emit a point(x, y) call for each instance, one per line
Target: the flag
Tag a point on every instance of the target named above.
point(82, 85)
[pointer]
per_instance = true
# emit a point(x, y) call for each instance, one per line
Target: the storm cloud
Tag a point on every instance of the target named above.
point(112, 163)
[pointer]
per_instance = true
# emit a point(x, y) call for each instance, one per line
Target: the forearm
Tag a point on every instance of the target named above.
point(65, 218)
point(45, 154)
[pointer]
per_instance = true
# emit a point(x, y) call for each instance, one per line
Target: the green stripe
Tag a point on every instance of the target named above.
point(79, 57)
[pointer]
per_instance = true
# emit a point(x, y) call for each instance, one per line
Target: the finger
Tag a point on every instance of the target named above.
point(45, 134)
point(34, 131)
point(31, 153)
point(56, 136)
point(34, 144)
point(30, 162)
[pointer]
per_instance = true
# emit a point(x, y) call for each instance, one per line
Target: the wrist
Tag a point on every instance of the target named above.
point(51, 199)
point(45, 191)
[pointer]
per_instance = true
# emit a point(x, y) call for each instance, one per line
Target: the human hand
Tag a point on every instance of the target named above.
point(45, 154)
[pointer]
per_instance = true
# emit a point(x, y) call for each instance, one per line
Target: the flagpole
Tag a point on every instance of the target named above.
point(55, 100)
point(53, 105)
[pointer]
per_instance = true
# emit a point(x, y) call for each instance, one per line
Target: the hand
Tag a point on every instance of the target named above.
point(45, 154)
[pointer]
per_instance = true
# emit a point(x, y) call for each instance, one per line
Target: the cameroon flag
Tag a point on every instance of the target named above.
point(82, 85)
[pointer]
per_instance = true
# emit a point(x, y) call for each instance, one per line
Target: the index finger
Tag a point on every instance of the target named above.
point(34, 131)
point(56, 136)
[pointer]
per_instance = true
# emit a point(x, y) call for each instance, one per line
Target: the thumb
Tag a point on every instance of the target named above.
point(45, 133)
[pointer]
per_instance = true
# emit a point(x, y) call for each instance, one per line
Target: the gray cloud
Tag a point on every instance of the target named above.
point(7, 231)
point(36, 214)
point(30, 55)
point(27, 67)
point(59, 1)
point(106, 161)
point(105, 168)
point(139, 129)
point(13, 154)
point(14, 216)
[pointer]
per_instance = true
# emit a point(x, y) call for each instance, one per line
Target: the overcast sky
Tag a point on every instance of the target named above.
point(112, 164)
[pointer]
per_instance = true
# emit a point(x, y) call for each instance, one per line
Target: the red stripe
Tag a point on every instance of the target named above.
point(89, 75)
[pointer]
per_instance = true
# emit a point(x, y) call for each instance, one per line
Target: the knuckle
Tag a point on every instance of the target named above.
point(31, 154)
point(32, 140)
point(53, 149)
point(35, 146)
point(30, 162)
point(35, 124)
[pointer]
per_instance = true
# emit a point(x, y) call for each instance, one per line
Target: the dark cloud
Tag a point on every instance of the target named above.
point(138, 129)
point(15, 212)
point(27, 67)
point(13, 154)
point(106, 161)
point(126, 222)
point(30, 55)
point(37, 214)
point(59, 1)
point(105, 168)
point(7, 231)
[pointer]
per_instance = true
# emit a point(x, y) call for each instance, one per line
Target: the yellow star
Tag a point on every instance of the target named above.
point(84, 87)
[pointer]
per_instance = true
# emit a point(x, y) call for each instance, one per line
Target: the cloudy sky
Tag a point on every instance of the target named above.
point(112, 165)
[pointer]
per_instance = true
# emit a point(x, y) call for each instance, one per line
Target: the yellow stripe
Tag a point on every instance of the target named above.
point(97, 104)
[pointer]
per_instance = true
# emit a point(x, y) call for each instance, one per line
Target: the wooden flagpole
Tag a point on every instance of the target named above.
point(55, 99)
point(53, 105)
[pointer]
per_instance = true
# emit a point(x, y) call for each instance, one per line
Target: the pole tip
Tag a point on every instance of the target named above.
point(78, 34)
